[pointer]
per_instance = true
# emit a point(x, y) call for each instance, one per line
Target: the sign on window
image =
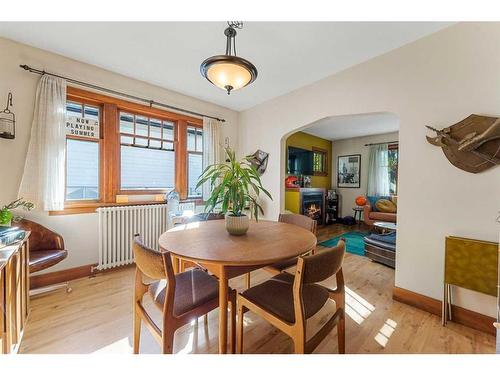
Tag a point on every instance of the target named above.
point(82, 127)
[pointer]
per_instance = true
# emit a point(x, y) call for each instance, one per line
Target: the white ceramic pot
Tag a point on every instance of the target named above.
point(237, 225)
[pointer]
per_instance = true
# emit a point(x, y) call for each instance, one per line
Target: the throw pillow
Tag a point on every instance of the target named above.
point(385, 205)
point(394, 199)
point(372, 200)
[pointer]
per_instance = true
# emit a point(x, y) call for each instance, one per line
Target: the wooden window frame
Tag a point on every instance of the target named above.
point(317, 150)
point(395, 146)
point(83, 102)
point(109, 149)
point(174, 143)
point(189, 125)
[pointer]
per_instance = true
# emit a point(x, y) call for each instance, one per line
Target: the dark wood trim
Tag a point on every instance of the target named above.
point(326, 168)
point(110, 155)
point(77, 94)
point(393, 146)
point(117, 268)
point(45, 279)
point(109, 152)
point(181, 159)
point(460, 315)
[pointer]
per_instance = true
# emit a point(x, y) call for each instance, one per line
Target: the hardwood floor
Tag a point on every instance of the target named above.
point(97, 317)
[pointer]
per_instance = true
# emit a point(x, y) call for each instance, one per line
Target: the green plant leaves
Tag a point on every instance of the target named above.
point(235, 185)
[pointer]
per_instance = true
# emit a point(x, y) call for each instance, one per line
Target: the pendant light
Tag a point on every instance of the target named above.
point(229, 72)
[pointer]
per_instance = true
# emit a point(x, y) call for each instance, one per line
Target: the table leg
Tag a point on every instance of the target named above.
point(223, 296)
point(175, 264)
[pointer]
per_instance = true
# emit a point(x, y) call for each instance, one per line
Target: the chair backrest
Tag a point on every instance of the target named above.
point(150, 262)
point(299, 220)
point(41, 238)
point(322, 265)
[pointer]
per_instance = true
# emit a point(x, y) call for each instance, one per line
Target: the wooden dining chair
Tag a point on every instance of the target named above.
point(287, 301)
point(181, 297)
point(294, 219)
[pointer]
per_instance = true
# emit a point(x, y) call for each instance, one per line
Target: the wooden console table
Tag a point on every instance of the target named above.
point(14, 294)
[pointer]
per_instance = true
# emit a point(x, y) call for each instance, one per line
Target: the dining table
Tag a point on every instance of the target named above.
point(225, 256)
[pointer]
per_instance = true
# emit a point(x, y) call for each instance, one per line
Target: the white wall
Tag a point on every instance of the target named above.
point(79, 231)
point(355, 146)
point(437, 80)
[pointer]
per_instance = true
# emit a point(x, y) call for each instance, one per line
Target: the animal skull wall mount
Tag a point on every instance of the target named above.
point(472, 144)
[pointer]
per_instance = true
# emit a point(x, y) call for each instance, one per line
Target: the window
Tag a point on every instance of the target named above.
point(147, 158)
point(195, 159)
point(82, 170)
point(320, 164)
point(82, 158)
point(393, 153)
point(115, 147)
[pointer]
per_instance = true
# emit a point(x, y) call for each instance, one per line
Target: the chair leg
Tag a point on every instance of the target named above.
point(450, 297)
point(444, 306)
point(168, 341)
point(341, 333)
point(137, 331)
point(232, 323)
point(299, 337)
point(240, 328)
point(247, 280)
point(299, 345)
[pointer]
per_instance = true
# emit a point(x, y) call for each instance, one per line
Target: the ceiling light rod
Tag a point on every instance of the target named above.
point(230, 33)
point(118, 93)
point(229, 72)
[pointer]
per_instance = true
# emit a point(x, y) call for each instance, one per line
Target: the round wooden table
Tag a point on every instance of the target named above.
point(208, 244)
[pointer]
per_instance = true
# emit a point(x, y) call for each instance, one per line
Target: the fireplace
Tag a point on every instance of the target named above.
point(313, 204)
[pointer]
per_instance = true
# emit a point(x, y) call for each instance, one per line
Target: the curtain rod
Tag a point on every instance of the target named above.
point(381, 143)
point(114, 92)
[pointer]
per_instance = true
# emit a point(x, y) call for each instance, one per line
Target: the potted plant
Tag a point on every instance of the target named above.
point(6, 216)
point(235, 187)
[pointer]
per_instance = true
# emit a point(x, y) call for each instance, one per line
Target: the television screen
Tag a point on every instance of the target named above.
point(300, 161)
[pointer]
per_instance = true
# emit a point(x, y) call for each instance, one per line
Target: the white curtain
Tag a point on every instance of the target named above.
point(378, 171)
point(211, 148)
point(43, 179)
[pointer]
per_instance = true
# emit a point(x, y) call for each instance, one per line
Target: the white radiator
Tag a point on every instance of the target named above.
point(117, 226)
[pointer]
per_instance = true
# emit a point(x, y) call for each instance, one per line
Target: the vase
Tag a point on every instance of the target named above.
point(237, 225)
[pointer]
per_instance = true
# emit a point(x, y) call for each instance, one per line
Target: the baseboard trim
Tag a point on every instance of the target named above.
point(460, 315)
point(57, 277)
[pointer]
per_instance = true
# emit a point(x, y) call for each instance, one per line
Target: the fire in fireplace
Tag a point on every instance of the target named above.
point(313, 205)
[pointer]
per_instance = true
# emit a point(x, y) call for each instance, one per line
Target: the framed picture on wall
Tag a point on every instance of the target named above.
point(349, 171)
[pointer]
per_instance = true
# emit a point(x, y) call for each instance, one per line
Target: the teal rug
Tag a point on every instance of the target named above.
point(354, 242)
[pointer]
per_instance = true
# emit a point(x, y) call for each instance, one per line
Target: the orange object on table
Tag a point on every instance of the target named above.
point(360, 201)
point(291, 182)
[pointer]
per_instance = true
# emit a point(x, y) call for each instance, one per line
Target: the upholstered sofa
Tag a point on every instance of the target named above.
point(371, 214)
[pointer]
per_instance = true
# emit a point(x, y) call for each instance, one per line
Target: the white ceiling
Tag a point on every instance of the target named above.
point(288, 55)
point(342, 127)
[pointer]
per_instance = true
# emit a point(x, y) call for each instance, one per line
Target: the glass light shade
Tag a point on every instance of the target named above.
point(228, 74)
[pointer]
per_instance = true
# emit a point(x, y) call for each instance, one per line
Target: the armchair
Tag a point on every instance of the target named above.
point(371, 216)
point(46, 250)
